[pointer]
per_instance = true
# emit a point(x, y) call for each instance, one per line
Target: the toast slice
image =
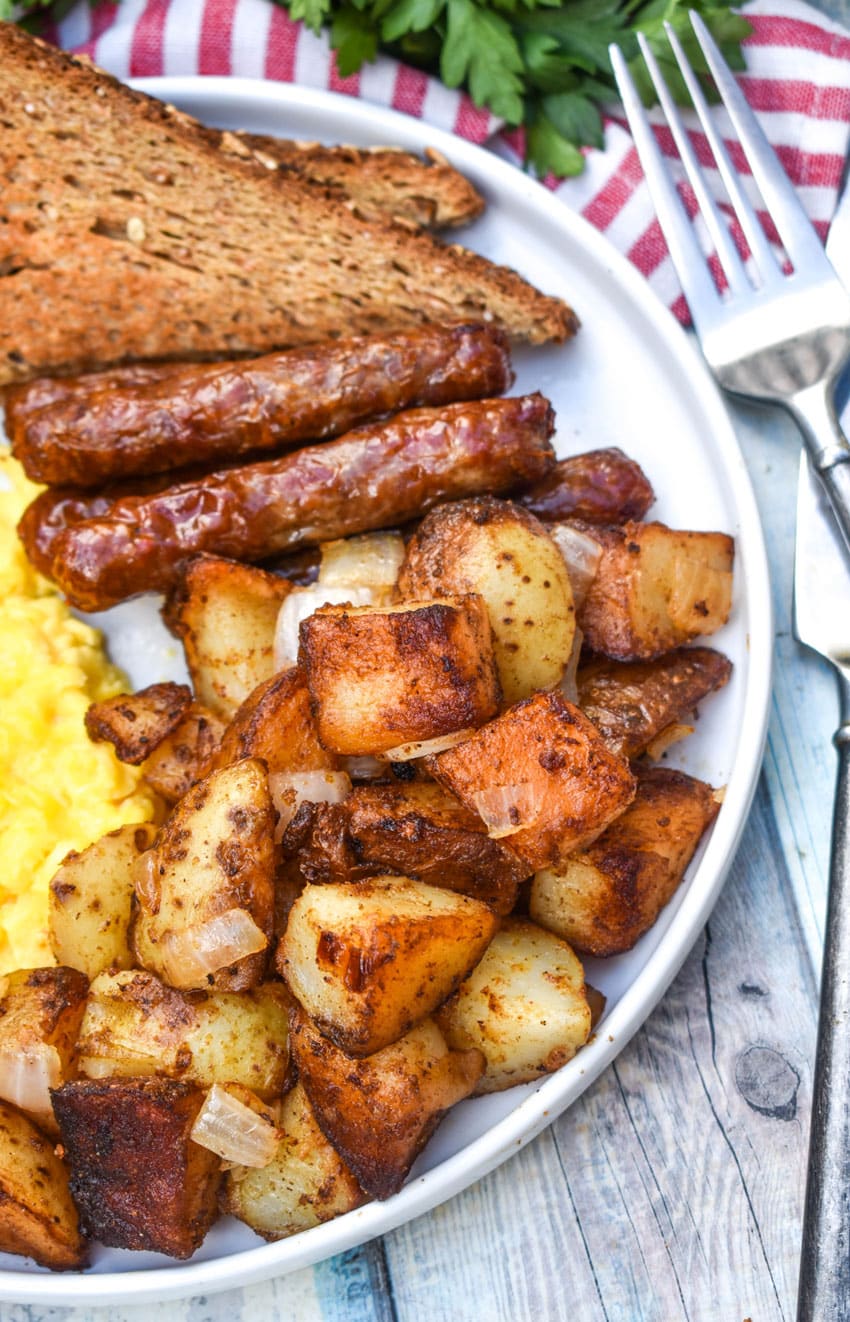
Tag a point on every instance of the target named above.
point(126, 233)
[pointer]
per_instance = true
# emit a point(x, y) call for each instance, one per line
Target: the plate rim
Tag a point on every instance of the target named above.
point(538, 1108)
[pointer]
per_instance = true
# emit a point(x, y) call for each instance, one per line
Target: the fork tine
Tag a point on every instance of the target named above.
point(795, 229)
point(688, 259)
point(728, 254)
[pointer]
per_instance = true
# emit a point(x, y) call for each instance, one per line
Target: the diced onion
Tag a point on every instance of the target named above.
point(506, 809)
point(146, 880)
point(425, 747)
point(289, 789)
point(234, 1131)
point(300, 605)
point(371, 561)
point(189, 955)
point(28, 1074)
point(581, 554)
point(365, 767)
point(671, 734)
point(569, 684)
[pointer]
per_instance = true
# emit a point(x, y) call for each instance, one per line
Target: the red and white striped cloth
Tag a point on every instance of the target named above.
point(797, 79)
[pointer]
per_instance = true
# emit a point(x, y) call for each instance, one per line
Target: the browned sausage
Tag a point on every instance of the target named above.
point(374, 477)
point(601, 486)
point(217, 412)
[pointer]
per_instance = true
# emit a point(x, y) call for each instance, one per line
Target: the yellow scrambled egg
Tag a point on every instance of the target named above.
point(58, 791)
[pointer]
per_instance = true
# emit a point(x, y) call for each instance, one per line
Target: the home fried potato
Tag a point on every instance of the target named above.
point(40, 1014)
point(634, 703)
point(205, 892)
point(502, 552)
point(380, 1112)
point(136, 723)
point(655, 589)
point(135, 1025)
point(524, 1006)
point(225, 613)
point(541, 778)
point(306, 1183)
point(417, 830)
point(91, 898)
point(606, 896)
point(185, 756)
point(275, 723)
point(38, 1217)
point(369, 961)
point(148, 1185)
point(384, 676)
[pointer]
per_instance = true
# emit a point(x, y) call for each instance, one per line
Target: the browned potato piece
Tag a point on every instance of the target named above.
point(368, 961)
point(205, 891)
point(501, 551)
point(40, 1014)
point(146, 1185)
point(275, 723)
point(225, 613)
point(136, 1025)
point(540, 776)
point(523, 1006)
point(608, 895)
point(380, 1112)
point(632, 703)
point(37, 1214)
point(418, 830)
point(600, 486)
point(655, 589)
point(90, 901)
point(185, 756)
point(136, 723)
point(305, 1184)
point(384, 676)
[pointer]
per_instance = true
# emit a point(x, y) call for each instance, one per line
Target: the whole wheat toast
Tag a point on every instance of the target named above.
point(126, 233)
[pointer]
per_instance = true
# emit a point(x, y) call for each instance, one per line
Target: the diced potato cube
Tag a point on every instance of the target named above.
point(275, 723)
point(40, 1015)
point(605, 897)
point(185, 756)
point(384, 676)
point(540, 776)
point(524, 1006)
point(368, 961)
point(37, 1214)
point(136, 723)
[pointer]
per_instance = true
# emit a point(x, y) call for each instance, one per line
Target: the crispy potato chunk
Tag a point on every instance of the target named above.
point(136, 723)
point(369, 961)
point(540, 776)
point(136, 1025)
point(384, 676)
point(505, 554)
point(185, 756)
point(380, 1112)
point(139, 1180)
point(416, 830)
point(37, 1214)
point(225, 613)
point(632, 703)
point(305, 1184)
point(610, 893)
point(655, 589)
point(275, 723)
point(40, 1015)
point(90, 901)
point(523, 1006)
point(600, 486)
point(205, 892)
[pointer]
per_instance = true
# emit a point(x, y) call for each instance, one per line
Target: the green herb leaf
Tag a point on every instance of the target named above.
point(481, 51)
point(354, 37)
point(550, 152)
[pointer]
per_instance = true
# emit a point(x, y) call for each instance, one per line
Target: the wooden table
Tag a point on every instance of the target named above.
point(673, 1189)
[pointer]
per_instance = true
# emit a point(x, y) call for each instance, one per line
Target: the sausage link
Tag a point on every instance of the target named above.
point(374, 477)
point(601, 486)
point(217, 412)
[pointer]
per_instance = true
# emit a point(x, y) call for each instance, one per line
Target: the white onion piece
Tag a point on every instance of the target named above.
point(189, 955)
point(506, 809)
point(289, 789)
point(671, 734)
point(27, 1075)
point(370, 561)
point(300, 605)
point(425, 747)
point(569, 683)
point(231, 1129)
point(365, 767)
point(581, 554)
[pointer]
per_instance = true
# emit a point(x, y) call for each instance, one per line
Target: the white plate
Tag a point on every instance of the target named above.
point(631, 378)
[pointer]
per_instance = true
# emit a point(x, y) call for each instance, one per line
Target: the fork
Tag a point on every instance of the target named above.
point(780, 339)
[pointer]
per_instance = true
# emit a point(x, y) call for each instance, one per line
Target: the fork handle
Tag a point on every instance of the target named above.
point(816, 416)
point(824, 1290)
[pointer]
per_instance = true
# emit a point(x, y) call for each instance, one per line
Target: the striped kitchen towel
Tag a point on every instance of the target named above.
point(797, 79)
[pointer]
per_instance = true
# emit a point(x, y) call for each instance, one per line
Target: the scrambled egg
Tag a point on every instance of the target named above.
point(58, 791)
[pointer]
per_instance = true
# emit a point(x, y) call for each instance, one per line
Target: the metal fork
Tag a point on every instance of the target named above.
point(784, 339)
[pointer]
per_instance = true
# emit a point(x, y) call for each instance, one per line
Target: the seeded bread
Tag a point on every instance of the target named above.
point(126, 233)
